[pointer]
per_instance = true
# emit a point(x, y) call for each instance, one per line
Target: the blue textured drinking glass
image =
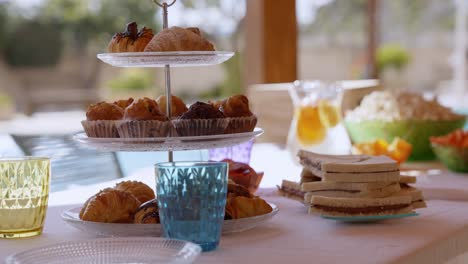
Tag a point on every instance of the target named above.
point(191, 199)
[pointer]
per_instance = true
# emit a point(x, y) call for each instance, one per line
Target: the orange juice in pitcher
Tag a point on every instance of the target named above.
point(316, 124)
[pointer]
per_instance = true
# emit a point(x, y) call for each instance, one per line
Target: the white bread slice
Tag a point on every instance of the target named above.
point(308, 176)
point(375, 193)
point(346, 163)
point(291, 184)
point(360, 202)
point(407, 179)
point(417, 198)
point(291, 189)
point(357, 186)
point(360, 206)
point(418, 204)
point(387, 176)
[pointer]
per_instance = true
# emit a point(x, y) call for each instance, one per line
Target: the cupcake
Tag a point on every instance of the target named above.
point(101, 120)
point(241, 118)
point(124, 103)
point(143, 119)
point(178, 106)
point(201, 119)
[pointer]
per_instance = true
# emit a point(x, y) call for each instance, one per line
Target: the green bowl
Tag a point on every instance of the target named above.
point(416, 132)
point(454, 158)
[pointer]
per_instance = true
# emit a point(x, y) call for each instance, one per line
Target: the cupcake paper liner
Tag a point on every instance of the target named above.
point(143, 128)
point(200, 127)
point(100, 128)
point(241, 124)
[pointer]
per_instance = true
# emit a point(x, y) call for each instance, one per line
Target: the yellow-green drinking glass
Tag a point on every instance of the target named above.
point(24, 193)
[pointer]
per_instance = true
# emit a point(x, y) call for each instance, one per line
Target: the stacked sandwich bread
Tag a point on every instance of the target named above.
point(349, 185)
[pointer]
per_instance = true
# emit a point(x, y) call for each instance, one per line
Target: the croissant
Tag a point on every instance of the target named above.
point(110, 206)
point(138, 189)
point(241, 207)
point(179, 39)
point(131, 40)
point(236, 106)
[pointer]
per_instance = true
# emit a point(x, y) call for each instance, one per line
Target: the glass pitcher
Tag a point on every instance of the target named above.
point(316, 125)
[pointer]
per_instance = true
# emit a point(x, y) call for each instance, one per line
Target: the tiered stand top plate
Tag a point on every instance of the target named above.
point(166, 143)
point(161, 59)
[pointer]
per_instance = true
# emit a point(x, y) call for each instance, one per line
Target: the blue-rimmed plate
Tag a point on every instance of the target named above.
point(367, 218)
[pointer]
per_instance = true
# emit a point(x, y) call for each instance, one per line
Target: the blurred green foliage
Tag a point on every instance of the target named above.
point(132, 80)
point(392, 56)
point(5, 100)
point(33, 44)
point(88, 21)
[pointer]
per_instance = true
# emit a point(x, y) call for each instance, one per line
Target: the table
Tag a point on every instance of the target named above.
point(440, 233)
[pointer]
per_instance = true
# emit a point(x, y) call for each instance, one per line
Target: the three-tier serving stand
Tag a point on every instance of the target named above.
point(167, 60)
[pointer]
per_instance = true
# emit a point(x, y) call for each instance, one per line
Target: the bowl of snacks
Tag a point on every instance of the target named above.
point(452, 150)
point(384, 115)
point(399, 150)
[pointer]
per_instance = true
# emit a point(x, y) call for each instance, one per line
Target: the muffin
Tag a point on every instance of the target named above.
point(124, 103)
point(178, 106)
point(101, 120)
point(201, 119)
point(241, 118)
point(143, 119)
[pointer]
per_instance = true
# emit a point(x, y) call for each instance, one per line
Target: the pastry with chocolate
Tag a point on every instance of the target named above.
point(143, 119)
point(241, 118)
point(101, 120)
point(131, 40)
point(148, 213)
point(201, 119)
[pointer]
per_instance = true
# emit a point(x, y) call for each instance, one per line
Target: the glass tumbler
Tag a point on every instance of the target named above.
point(191, 199)
point(24, 193)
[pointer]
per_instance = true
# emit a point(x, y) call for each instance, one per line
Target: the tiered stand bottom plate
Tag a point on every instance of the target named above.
point(166, 143)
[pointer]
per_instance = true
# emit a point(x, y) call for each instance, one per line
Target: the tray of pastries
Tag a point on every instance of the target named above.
point(175, 46)
point(143, 124)
point(131, 209)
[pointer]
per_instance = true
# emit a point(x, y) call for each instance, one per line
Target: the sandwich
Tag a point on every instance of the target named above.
point(308, 176)
point(349, 190)
point(328, 206)
point(350, 168)
point(406, 179)
point(291, 190)
point(417, 198)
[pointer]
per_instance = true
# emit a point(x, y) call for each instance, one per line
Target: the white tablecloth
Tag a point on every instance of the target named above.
point(438, 234)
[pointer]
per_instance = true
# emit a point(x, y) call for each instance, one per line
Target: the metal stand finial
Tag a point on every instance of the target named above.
point(167, 70)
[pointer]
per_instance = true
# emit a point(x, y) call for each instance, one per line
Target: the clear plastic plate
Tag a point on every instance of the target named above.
point(71, 216)
point(368, 218)
point(166, 143)
point(111, 250)
point(161, 59)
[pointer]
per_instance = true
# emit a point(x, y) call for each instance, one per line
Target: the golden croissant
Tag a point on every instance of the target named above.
point(241, 207)
point(110, 206)
point(179, 39)
point(140, 190)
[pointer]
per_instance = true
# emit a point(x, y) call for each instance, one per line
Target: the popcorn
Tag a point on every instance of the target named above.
point(387, 106)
